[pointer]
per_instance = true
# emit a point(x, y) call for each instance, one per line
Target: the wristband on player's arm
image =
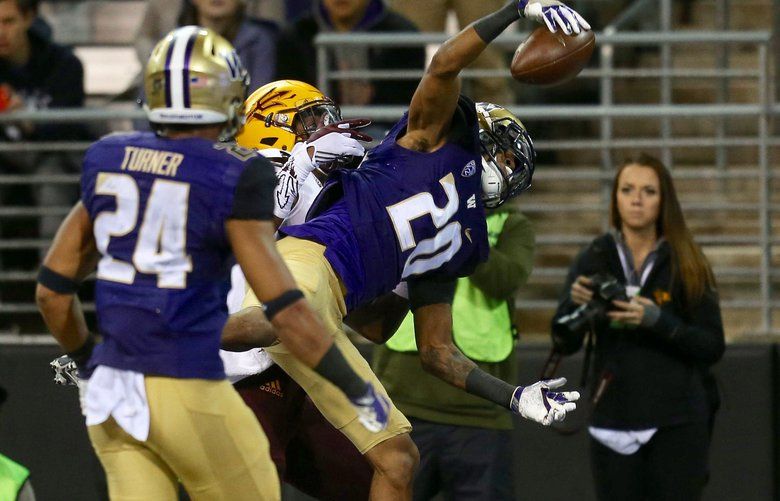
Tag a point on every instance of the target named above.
point(57, 282)
point(273, 307)
point(482, 384)
point(82, 354)
point(492, 25)
point(335, 368)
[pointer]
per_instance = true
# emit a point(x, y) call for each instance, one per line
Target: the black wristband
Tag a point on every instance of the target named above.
point(81, 355)
point(426, 292)
point(56, 282)
point(274, 306)
point(492, 25)
point(482, 384)
point(334, 367)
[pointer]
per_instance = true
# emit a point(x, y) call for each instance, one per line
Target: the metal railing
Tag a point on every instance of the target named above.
point(607, 113)
point(603, 144)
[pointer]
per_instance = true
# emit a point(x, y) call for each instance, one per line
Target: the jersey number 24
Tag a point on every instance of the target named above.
point(160, 247)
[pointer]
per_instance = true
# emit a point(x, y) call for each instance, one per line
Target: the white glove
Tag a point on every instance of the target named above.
point(323, 148)
point(537, 403)
point(67, 374)
point(372, 409)
point(329, 144)
point(289, 180)
point(554, 14)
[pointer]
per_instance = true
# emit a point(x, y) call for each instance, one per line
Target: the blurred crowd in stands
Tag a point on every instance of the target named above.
point(274, 38)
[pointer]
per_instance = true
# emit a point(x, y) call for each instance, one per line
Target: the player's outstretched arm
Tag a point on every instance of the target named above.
point(70, 259)
point(441, 357)
point(436, 97)
point(438, 353)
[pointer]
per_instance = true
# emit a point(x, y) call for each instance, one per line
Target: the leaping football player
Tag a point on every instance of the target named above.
point(414, 211)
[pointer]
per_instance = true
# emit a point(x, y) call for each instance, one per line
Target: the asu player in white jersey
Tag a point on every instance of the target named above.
point(309, 452)
point(159, 214)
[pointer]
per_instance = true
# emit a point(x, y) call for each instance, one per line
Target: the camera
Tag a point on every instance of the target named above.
point(606, 289)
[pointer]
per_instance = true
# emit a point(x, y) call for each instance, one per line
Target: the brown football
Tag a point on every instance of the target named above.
point(546, 58)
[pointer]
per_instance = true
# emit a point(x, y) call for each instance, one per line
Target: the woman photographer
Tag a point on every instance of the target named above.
point(651, 423)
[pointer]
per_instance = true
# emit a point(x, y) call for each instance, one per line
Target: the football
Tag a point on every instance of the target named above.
point(546, 58)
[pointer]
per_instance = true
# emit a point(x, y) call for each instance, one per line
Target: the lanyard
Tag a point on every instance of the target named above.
point(627, 263)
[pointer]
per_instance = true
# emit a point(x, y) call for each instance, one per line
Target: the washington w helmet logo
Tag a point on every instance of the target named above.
point(234, 65)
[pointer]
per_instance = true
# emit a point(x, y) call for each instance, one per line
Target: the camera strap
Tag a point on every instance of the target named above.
point(588, 354)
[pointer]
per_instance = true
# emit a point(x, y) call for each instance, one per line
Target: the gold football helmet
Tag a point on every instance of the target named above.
point(508, 154)
point(282, 113)
point(194, 76)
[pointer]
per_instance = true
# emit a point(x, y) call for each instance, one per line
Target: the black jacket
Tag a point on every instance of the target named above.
point(660, 375)
point(52, 78)
point(296, 56)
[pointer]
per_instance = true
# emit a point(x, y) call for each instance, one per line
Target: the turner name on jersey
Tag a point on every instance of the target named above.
point(158, 208)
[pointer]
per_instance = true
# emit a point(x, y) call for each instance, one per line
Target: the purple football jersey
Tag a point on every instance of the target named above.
point(158, 208)
point(405, 214)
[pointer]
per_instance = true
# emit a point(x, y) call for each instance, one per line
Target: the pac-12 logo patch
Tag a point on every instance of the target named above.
point(469, 170)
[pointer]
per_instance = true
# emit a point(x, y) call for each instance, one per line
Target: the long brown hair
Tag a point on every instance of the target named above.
point(689, 264)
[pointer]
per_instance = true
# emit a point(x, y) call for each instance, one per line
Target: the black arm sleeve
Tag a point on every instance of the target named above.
point(489, 387)
point(424, 292)
point(254, 196)
point(492, 25)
